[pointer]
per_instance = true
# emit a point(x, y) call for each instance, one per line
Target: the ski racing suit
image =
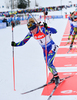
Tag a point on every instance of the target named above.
point(71, 26)
point(44, 37)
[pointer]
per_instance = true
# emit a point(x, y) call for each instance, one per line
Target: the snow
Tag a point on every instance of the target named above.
point(30, 67)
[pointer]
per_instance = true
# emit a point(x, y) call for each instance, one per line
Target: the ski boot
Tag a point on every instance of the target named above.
point(52, 80)
point(71, 46)
point(55, 79)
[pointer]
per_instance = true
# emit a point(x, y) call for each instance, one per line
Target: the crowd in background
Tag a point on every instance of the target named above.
point(21, 15)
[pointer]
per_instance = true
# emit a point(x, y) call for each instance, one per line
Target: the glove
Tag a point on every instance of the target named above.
point(38, 24)
point(13, 43)
point(45, 25)
point(13, 24)
point(46, 13)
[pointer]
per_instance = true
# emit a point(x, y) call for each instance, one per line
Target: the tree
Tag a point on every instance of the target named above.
point(36, 4)
point(28, 3)
point(22, 4)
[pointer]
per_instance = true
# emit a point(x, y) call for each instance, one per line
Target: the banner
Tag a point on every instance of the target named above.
point(2, 25)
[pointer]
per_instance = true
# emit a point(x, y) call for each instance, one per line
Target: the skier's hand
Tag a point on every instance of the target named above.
point(13, 43)
point(46, 13)
point(45, 25)
point(38, 24)
point(13, 24)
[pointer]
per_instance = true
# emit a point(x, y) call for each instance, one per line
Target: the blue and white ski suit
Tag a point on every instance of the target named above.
point(44, 40)
point(71, 26)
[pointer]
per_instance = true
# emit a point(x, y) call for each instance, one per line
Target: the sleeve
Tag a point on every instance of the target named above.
point(52, 30)
point(68, 18)
point(21, 43)
point(49, 30)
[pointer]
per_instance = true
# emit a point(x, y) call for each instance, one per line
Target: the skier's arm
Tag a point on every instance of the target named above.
point(49, 30)
point(52, 30)
point(21, 43)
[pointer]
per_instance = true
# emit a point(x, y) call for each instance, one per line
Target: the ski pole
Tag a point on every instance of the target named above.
point(46, 47)
point(34, 18)
point(12, 23)
point(13, 58)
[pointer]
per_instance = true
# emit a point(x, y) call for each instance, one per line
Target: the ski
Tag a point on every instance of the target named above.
point(61, 80)
point(42, 86)
point(72, 50)
point(38, 87)
point(69, 50)
point(66, 43)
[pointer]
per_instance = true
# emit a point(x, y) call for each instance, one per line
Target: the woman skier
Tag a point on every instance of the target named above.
point(42, 35)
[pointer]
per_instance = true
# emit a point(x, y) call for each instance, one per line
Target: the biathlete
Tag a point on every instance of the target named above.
point(34, 31)
point(70, 18)
point(75, 29)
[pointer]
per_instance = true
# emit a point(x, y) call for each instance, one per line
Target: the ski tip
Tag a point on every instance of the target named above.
point(68, 50)
point(66, 77)
point(23, 93)
point(14, 89)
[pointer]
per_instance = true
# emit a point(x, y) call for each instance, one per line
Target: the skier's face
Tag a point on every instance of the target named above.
point(34, 31)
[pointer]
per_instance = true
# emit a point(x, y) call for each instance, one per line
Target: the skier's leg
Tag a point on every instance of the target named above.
point(71, 45)
point(50, 59)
